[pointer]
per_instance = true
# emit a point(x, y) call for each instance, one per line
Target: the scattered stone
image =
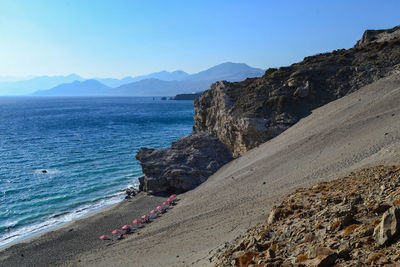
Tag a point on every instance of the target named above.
point(351, 226)
point(130, 192)
point(270, 253)
point(327, 260)
point(348, 220)
point(273, 215)
point(389, 227)
point(381, 208)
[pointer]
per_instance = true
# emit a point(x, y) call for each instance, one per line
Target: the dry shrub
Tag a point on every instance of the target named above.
point(368, 242)
point(353, 192)
point(375, 257)
point(266, 246)
point(395, 193)
point(376, 222)
point(246, 258)
point(302, 258)
point(318, 225)
point(350, 229)
point(335, 224)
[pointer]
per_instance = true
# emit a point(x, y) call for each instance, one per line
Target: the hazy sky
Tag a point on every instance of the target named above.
point(118, 38)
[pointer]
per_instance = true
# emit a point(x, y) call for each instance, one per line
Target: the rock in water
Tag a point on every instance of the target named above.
point(187, 164)
point(389, 227)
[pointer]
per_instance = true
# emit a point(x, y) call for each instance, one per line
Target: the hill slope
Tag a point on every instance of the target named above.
point(343, 222)
point(358, 130)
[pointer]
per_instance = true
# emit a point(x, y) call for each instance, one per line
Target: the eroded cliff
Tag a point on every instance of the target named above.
point(245, 114)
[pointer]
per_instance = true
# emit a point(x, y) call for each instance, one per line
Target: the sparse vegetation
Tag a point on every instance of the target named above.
point(281, 101)
point(374, 257)
point(302, 258)
point(350, 229)
point(270, 71)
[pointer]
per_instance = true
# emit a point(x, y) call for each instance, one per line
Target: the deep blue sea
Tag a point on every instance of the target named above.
point(87, 146)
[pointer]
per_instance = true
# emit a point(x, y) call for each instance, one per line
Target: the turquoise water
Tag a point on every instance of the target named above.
point(87, 146)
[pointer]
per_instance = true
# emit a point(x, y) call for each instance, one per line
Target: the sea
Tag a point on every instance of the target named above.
point(62, 158)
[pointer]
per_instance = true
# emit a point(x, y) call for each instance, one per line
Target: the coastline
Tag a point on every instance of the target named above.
point(356, 131)
point(59, 220)
point(62, 244)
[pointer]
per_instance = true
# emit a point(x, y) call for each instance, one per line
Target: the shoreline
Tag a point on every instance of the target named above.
point(76, 236)
point(79, 212)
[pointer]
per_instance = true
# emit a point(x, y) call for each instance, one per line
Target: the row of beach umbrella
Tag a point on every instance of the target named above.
point(144, 219)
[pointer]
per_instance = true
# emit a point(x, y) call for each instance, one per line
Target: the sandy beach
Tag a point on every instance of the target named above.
point(359, 130)
point(63, 244)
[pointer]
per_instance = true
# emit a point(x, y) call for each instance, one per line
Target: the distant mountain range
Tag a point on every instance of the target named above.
point(162, 75)
point(77, 88)
point(192, 83)
point(27, 87)
point(162, 83)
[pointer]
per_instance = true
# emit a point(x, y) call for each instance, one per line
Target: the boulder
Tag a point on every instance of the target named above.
point(187, 164)
point(130, 192)
point(389, 227)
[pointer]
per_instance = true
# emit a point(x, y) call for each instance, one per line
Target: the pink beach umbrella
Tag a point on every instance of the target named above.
point(126, 227)
point(137, 221)
point(153, 212)
point(116, 232)
point(104, 237)
point(172, 196)
point(165, 203)
point(160, 207)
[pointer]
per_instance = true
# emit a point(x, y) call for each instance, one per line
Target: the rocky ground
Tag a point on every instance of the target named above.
point(350, 221)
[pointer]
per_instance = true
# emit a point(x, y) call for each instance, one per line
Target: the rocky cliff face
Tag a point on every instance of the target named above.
point(245, 114)
point(187, 164)
point(378, 36)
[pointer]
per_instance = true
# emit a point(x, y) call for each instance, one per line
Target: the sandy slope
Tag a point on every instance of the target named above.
point(358, 130)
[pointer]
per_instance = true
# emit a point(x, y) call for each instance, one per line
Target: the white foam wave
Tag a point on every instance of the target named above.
point(21, 233)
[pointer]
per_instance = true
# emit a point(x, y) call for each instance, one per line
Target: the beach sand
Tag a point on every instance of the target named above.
point(359, 130)
point(65, 243)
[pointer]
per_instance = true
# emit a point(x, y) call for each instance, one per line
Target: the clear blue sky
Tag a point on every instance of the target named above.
point(95, 38)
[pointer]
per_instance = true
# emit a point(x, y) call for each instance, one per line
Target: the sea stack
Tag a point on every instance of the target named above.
point(187, 164)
